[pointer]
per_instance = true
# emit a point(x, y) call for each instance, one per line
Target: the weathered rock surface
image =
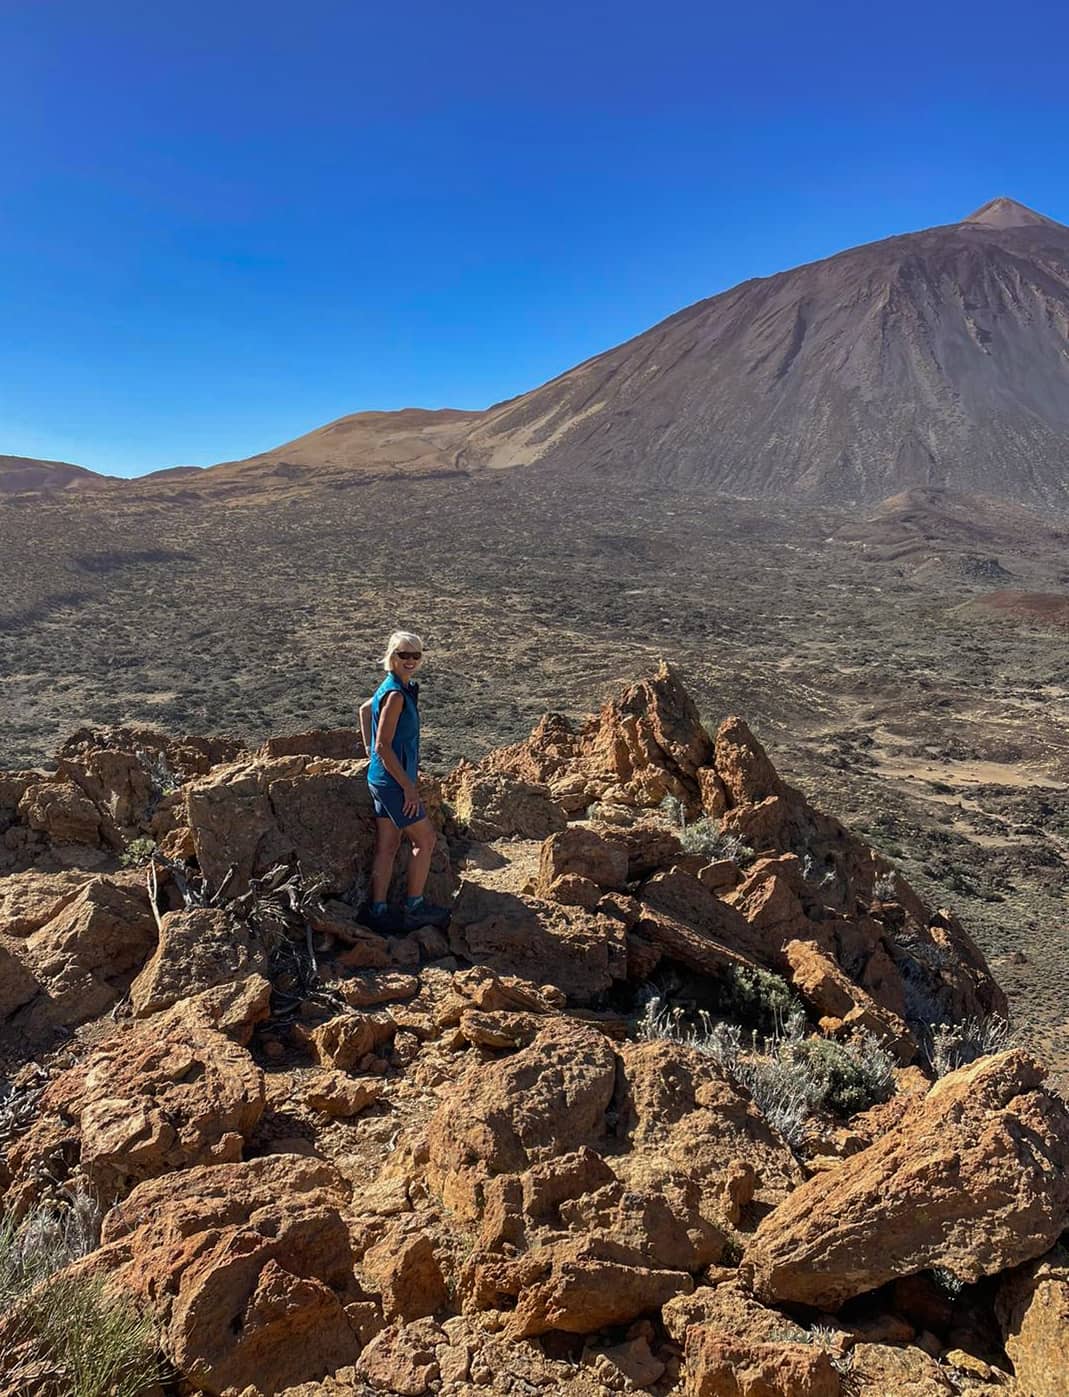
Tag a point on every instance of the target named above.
point(719, 1366)
point(84, 957)
point(494, 805)
point(157, 1096)
point(580, 952)
point(974, 1179)
point(247, 1268)
point(1033, 1312)
point(199, 948)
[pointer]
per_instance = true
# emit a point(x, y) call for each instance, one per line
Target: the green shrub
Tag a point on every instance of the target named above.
point(137, 852)
point(756, 998)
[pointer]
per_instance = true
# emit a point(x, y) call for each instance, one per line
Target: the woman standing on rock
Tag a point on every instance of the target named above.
point(389, 722)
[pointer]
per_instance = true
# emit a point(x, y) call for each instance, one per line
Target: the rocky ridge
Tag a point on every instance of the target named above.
point(540, 1152)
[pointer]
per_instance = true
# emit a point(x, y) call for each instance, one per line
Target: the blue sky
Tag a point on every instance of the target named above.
point(223, 225)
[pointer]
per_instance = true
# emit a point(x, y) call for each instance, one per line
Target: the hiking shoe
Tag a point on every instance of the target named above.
point(426, 914)
point(383, 922)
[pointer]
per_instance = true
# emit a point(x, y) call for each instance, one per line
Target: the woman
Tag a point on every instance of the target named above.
point(389, 722)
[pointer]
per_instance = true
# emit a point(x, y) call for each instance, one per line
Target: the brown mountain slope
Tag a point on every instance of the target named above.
point(937, 359)
point(19, 473)
point(933, 359)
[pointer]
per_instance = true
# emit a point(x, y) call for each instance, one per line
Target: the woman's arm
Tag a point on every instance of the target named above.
point(389, 713)
point(365, 725)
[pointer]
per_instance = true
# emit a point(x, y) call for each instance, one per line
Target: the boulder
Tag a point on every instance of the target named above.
point(30, 899)
point(578, 1285)
point(831, 994)
point(62, 812)
point(974, 1179)
point(580, 952)
point(1033, 1313)
point(583, 853)
point(338, 1094)
point(164, 1094)
point(312, 811)
point(505, 1116)
point(404, 1272)
point(889, 1370)
point(717, 1365)
point(493, 805)
point(247, 1269)
point(85, 957)
point(199, 948)
point(677, 1112)
point(344, 1040)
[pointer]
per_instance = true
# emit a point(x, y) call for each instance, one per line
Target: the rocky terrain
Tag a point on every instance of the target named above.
point(696, 1095)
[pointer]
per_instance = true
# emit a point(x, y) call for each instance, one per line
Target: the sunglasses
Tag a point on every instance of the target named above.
point(409, 654)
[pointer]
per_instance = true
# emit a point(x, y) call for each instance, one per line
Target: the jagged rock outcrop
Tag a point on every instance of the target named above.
point(248, 1269)
point(974, 1179)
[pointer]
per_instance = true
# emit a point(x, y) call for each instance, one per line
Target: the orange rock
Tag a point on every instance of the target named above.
point(951, 1185)
point(404, 1272)
point(492, 805)
point(199, 947)
point(584, 853)
point(1033, 1312)
point(719, 1366)
point(347, 1038)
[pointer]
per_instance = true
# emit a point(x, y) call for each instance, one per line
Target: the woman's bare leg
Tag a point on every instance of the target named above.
point(422, 835)
point(387, 843)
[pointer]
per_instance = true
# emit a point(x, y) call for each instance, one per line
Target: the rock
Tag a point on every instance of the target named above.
point(972, 1179)
point(644, 744)
point(157, 1096)
point(84, 958)
point(347, 1038)
point(578, 1286)
point(338, 744)
point(61, 811)
point(729, 1310)
point(678, 1113)
point(582, 953)
point(336, 1094)
point(403, 1359)
point(236, 1007)
point(582, 853)
point(30, 899)
point(199, 948)
point(742, 764)
point(829, 992)
point(505, 1116)
point(883, 1370)
point(719, 1366)
point(515, 1205)
point(247, 1269)
point(372, 987)
point(664, 1227)
point(1033, 1313)
point(294, 810)
point(492, 805)
point(17, 985)
point(404, 1271)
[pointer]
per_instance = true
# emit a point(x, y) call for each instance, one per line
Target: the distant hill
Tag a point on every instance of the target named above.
point(20, 473)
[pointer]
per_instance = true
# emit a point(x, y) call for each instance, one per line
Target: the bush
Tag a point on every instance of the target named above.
point(704, 836)
point(137, 852)
point(788, 1075)
point(950, 1046)
point(757, 998)
point(91, 1342)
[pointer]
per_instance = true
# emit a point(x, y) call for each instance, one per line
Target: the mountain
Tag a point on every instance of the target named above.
point(19, 473)
point(931, 359)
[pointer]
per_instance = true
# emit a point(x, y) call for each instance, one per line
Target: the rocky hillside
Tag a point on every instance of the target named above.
point(695, 1096)
point(23, 473)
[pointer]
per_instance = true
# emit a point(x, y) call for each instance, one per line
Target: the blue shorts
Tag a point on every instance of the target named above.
point(389, 802)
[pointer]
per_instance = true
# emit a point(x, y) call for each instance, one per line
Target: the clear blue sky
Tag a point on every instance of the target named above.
point(224, 224)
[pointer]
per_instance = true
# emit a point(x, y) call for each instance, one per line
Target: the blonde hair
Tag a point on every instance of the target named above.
point(396, 641)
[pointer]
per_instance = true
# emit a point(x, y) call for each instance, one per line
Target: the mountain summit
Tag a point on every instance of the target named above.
point(1008, 213)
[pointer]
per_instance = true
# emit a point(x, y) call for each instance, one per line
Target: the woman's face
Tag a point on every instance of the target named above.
point(406, 661)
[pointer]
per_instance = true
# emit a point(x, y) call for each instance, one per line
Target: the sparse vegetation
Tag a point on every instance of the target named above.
point(789, 1074)
point(950, 1046)
point(90, 1341)
point(137, 852)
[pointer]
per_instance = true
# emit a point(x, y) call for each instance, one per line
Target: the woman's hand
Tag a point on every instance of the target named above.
point(411, 794)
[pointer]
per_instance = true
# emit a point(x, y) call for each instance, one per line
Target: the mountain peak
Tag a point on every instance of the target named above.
point(1008, 213)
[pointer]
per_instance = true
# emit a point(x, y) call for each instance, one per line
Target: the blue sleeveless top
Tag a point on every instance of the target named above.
point(405, 742)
